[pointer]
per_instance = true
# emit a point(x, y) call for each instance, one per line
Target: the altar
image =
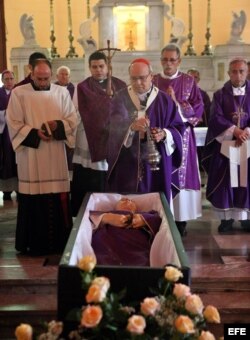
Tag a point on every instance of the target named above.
point(139, 29)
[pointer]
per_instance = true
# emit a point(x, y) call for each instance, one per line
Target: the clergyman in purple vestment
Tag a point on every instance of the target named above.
point(124, 236)
point(227, 151)
point(8, 168)
point(186, 94)
point(135, 109)
point(89, 160)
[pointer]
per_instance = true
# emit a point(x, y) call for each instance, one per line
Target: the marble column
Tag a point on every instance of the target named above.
point(155, 26)
point(106, 24)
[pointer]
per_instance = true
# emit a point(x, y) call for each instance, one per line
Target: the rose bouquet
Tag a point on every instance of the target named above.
point(173, 313)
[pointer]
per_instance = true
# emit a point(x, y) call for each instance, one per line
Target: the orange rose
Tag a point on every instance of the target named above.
point(184, 324)
point(95, 294)
point(181, 291)
point(211, 314)
point(102, 282)
point(205, 335)
point(149, 306)
point(87, 263)
point(24, 332)
point(136, 324)
point(172, 274)
point(194, 304)
point(91, 316)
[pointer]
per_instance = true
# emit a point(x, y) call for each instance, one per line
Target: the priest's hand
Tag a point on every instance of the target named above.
point(158, 134)
point(42, 136)
point(116, 220)
point(52, 125)
point(140, 124)
point(137, 221)
point(241, 136)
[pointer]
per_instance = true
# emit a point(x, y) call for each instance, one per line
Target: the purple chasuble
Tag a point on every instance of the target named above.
point(94, 107)
point(125, 246)
point(219, 191)
point(189, 98)
point(129, 170)
point(8, 167)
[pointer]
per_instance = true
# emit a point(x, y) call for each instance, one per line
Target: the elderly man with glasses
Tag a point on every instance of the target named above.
point(187, 97)
point(141, 112)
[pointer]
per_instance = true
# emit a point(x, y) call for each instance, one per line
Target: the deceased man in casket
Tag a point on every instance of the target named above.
point(124, 236)
point(131, 230)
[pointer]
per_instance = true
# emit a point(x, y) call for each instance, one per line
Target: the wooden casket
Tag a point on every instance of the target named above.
point(167, 248)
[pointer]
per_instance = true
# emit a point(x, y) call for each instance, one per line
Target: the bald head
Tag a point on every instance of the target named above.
point(41, 74)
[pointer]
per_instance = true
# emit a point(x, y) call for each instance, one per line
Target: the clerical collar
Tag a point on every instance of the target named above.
point(239, 91)
point(102, 83)
point(169, 77)
point(101, 80)
point(7, 91)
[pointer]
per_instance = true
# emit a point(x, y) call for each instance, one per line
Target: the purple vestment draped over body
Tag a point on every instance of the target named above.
point(125, 246)
point(129, 170)
point(219, 190)
point(189, 98)
point(8, 167)
point(95, 114)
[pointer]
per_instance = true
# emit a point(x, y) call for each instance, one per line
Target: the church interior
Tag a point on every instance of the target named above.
point(68, 32)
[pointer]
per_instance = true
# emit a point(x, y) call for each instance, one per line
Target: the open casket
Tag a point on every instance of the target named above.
point(167, 248)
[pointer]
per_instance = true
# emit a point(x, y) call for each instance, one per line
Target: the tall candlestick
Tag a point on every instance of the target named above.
point(53, 50)
point(190, 14)
point(208, 50)
point(190, 49)
point(71, 53)
point(208, 14)
point(51, 16)
point(88, 9)
point(69, 17)
point(173, 8)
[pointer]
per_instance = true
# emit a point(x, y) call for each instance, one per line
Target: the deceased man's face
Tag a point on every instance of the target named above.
point(126, 204)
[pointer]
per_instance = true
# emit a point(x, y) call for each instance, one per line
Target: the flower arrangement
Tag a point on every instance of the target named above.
point(173, 313)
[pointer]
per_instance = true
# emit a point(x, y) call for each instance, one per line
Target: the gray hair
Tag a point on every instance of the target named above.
point(237, 60)
point(172, 47)
point(63, 67)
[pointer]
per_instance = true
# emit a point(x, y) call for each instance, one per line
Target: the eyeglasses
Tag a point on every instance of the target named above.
point(141, 78)
point(170, 60)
